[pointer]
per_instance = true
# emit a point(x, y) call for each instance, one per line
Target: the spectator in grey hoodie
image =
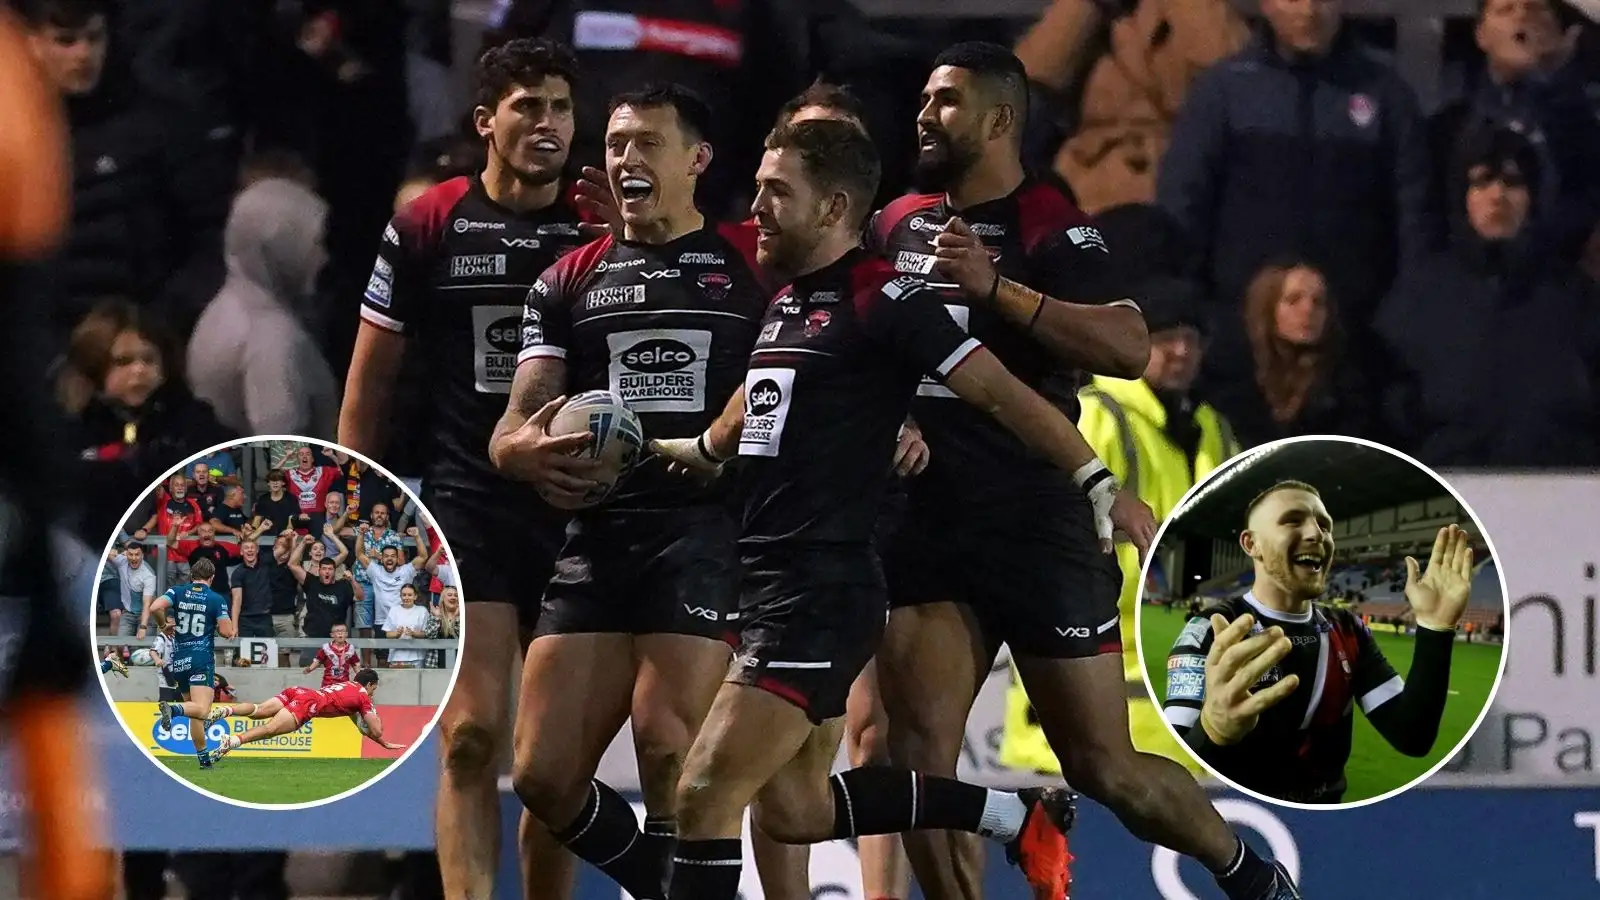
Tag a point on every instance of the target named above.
point(253, 356)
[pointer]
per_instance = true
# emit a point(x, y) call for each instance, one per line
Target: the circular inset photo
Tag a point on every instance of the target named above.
point(277, 622)
point(1322, 621)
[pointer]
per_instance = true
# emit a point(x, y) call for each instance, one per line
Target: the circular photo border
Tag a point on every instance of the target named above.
point(1189, 498)
point(105, 689)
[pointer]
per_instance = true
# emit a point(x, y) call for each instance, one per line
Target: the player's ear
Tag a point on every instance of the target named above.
point(838, 206)
point(1005, 120)
point(1247, 543)
point(702, 158)
point(483, 121)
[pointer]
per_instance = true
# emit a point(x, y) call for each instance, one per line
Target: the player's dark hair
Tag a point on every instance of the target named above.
point(523, 62)
point(996, 69)
point(70, 14)
point(367, 677)
point(203, 570)
point(325, 561)
point(694, 113)
point(134, 545)
point(837, 97)
point(1288, 485)
point(836, 157)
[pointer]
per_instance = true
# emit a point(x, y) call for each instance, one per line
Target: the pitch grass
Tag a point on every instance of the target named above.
point(1375, 768)
point(277, 781)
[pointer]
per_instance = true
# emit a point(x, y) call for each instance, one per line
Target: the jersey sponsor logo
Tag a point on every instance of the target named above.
point(1087, 237)
point(390, 236)
point(1181, 660)
point(540, 288)
point(824, 297)
point(1193, 634)
point(1075, 631)
point(917, 263)
point(620, 295)
point(498, 334)
point(380, 287)
point(660, 370)
point(607, 265)
point(702, 612)
point(918, 223)
point(902, 286)
point(817, 320)
point(768, 393)
point(716, 285)
point(1186, 683)
point(702, 259)
point(986, 229)
point(769, 332)
point(565, 229)
point(523, 243)
point(595, 30)
point(464, 226)
point(930, 387)
point(478, 265)
point(662, 273)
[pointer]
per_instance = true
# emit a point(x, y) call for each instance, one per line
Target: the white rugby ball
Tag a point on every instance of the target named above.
point(618, 439)
point(142, 657)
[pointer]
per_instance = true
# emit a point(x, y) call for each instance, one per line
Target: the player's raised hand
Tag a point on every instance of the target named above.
point(963, 259)
point(592, 192)
point(1233, 666)
point(1439, 595)
point(911, 452)
point(531, 454)
point(1130, 516)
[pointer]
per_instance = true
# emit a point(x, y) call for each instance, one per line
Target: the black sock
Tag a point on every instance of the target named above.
point(661, 838)
point(707, 870)
point(606, 835)
point(1247, 876)
point(884, 800)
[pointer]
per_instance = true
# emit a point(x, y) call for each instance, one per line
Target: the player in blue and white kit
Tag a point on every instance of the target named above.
point(201, 614)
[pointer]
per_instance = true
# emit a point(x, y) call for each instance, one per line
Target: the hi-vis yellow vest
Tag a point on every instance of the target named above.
point(1124, 423)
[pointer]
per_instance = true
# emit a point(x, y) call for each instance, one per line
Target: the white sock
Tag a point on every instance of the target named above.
point(1003, 814)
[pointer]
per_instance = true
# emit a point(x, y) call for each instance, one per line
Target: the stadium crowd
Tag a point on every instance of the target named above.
point(1313, 252)
point(303, 564)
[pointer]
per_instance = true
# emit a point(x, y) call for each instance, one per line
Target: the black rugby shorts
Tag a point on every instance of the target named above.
point(504, 550)
point(646, 572)
point(810, 621)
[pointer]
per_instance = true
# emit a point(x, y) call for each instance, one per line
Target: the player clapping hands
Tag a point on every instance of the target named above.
point(1438, 596)
point(1233, 666)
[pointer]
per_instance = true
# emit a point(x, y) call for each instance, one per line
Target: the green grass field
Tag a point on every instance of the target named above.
point(277, 780)
point(1375, 768)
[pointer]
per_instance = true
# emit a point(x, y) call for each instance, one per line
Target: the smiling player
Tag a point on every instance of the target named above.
point(1263, 686)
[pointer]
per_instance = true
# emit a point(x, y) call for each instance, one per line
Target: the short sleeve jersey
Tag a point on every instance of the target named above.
point(197, 609)
point(1037, 238)
point(667, 327)
point(1299, 749)
point(452, 271)
point(831, 378)
point(338, 663)
point(343, 699)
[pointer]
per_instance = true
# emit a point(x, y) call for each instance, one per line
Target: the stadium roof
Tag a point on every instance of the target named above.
point(1354, 480)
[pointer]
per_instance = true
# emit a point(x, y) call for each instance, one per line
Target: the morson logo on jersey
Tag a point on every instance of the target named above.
point(478, 265)
point(463, 226)
point(608, 265)
point(918, 223)
point(660, 370)
point(621, 295)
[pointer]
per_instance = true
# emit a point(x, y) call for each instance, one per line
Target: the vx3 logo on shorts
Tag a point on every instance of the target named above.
point(701, 612)
point(1075, 631)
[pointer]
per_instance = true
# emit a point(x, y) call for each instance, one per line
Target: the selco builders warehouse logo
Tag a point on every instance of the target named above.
point(180, 739)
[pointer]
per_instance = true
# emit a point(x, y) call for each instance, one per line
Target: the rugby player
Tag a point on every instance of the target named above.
point(200, 614)
point(451, 274)
point(998, 546)
point(1235, 673)
point(833, 374)
point(293, 707)
point(637, 617)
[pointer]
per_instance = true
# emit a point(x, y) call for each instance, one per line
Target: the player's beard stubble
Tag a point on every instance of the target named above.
point(944, 162)
point(1299, 582)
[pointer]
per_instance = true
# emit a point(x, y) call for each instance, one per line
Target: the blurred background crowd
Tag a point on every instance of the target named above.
point(1367, 217)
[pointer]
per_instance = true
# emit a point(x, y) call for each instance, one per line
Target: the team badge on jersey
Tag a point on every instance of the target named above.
point(817, 320)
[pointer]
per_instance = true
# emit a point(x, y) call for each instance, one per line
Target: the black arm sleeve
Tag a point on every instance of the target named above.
point(1410, 720)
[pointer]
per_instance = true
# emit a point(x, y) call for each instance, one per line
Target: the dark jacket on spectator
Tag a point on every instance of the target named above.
point(1324, 160)
point(150, 196)
point(1555, 115)
point(1336, 405)
point(1497, 355)
point(121, 451)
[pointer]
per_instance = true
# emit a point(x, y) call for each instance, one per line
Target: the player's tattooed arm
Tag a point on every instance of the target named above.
point(522, 447)
point(537, 382)
point(1105, 339)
